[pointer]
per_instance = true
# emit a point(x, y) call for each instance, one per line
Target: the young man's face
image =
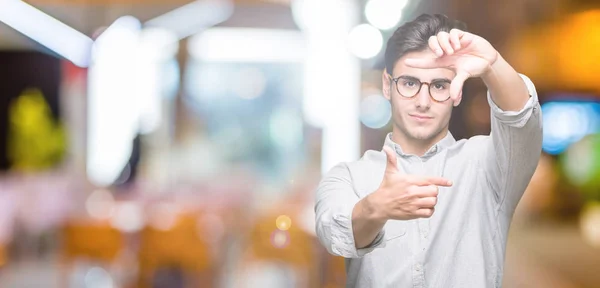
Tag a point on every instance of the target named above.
point(420, 117)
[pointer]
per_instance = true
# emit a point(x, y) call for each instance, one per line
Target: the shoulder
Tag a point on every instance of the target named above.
point(369, 160)
point(472, 148)
point(369, 164)
point(476, 143)
point(369, 168)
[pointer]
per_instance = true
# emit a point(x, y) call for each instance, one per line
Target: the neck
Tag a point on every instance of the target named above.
point(415, 146)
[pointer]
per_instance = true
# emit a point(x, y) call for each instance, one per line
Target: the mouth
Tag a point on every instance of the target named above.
point(420, 118)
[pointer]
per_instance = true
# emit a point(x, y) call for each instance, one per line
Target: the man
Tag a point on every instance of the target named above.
point(430, 211)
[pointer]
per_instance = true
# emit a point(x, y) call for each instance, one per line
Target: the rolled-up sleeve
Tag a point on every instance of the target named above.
point(514, 148)
point(335, 201)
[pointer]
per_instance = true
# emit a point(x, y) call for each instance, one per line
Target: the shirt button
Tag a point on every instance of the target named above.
point(418, 268)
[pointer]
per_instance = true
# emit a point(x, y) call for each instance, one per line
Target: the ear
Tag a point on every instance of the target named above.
point(386, 84)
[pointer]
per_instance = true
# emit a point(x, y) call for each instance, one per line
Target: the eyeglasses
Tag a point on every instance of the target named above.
point(409, 87)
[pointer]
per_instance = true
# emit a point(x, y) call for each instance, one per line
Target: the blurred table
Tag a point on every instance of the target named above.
point(550, 256)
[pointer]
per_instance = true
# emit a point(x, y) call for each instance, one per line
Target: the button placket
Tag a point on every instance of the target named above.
point(418, 275)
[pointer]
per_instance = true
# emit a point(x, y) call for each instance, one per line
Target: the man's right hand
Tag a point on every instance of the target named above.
point(403, 197)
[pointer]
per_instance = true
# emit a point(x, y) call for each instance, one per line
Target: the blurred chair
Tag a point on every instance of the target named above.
point(334, 271)
point(3, 256)
point(178, 248)
point(291, 247)
point(98, 242)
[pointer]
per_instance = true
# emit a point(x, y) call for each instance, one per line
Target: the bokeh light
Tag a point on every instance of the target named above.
point(365, 41)
point(568, 122)
point(283, 222)
point(590, 224)
point(97, 277)
point(375, 111)
point(581, 163)
point(100, 204)
point(384, 14)
point(163, 216)
point(280, 239)
point(128, 217)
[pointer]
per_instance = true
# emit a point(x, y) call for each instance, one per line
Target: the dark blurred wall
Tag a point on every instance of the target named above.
point(20, 70)
point(496, 21)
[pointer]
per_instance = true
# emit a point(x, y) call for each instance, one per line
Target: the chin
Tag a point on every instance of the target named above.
point(423, 135)
point(425, 138)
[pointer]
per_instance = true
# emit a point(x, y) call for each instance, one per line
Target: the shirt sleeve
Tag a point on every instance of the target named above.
point(335, 201)
point(514, 148)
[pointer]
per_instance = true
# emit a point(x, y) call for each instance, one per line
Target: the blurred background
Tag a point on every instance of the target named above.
point(177, 143)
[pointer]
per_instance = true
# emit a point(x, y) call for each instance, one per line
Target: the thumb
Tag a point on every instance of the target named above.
point(391, 163)
point(457, 101)
point(457, 85)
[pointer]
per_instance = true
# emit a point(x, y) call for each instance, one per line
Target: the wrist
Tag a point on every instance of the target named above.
point(373, 209)
point(491, 72)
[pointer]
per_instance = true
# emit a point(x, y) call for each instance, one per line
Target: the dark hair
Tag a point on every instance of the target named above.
point(414, 36)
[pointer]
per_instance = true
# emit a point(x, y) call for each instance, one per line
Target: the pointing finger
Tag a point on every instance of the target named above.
point(425, 181)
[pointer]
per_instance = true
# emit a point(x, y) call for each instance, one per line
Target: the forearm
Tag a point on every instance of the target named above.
point(366, 223)
point(514, 147)
point(506, 87)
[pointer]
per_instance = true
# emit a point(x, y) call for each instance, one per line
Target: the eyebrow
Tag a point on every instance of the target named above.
point(413, 78)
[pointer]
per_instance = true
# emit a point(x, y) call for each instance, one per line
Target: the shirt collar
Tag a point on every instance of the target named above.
point(446, 142)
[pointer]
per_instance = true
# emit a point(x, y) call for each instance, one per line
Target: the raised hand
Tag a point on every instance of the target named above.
point(467, 54)
point(403, 197)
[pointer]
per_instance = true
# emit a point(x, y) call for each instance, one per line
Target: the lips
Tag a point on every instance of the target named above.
point(420, 117)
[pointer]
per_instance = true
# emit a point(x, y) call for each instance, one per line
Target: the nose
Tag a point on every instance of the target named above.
point(423, 99)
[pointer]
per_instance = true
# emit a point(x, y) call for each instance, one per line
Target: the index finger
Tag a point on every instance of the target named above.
point(439, 181)
point(430, 63)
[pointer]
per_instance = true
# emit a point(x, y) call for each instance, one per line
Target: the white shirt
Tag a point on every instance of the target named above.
point(463, 244)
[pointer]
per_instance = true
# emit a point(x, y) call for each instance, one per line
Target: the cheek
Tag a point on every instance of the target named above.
point(396, 103)
point(445, 111)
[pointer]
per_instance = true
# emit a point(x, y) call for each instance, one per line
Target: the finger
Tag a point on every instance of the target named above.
point(434, 45)
point(426, 181)
point(419, 192)
point(457, 84)
point(425, 212)
point(391, 166)
point(465, 38)
point(455, 35)
point(430, 191)
point(426, 63)
point(444, 40)
point(459, 99)
point(428, 202)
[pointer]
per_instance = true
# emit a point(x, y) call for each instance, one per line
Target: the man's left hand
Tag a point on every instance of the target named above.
point(467, 54)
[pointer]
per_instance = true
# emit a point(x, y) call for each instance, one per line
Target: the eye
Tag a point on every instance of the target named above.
point(409, 83)
point(440, 85)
